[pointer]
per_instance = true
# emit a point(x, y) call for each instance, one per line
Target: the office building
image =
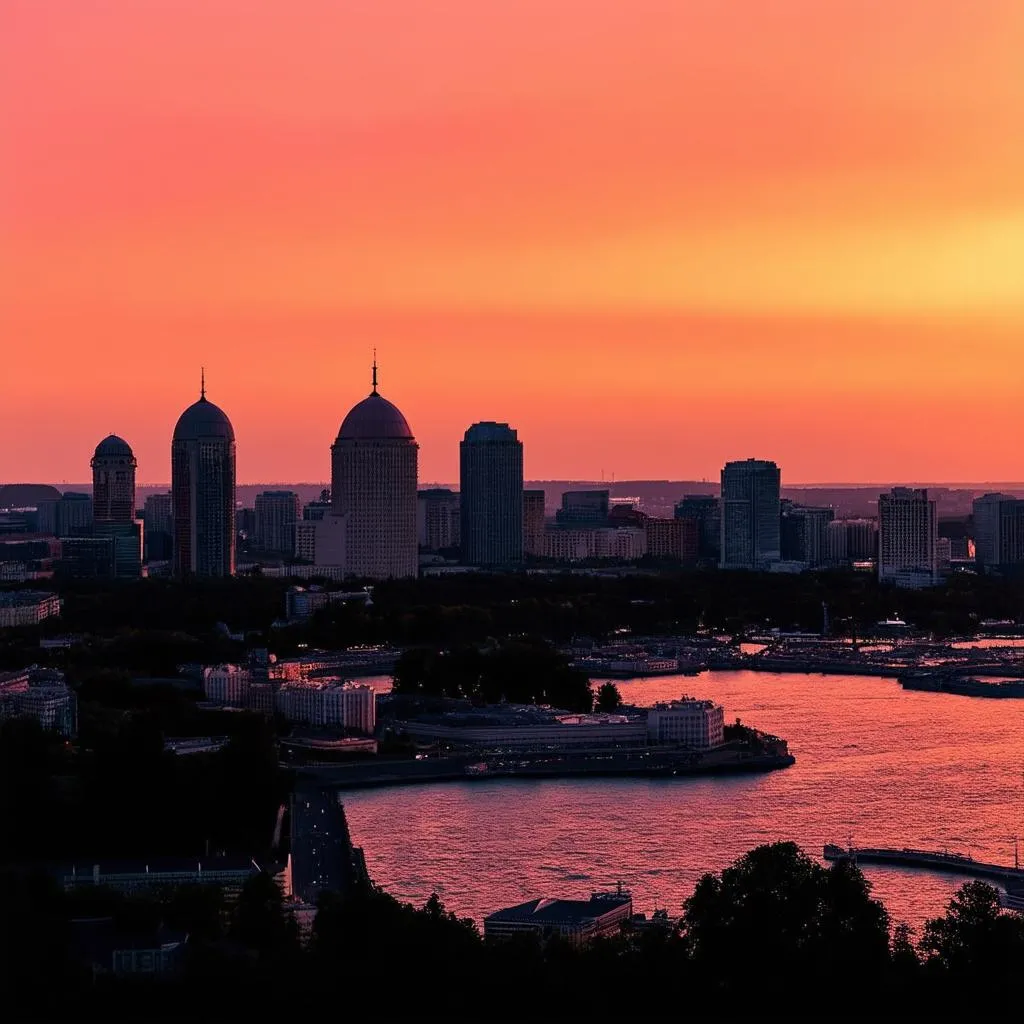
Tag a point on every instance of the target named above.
point(127, 543)
point(999, 533)
point(675, 540)
point(862, 539)
point(705, 511)
point(907, 538)
point(19, 608)
point(70, 515)
point(203, 491)
point(576, 921)
point(277, 512)
point(87, 558)
point(305, 539)
point(327, 704)
point(227, 684)
point(750, 515)
point(437, 519)
point(689, 723)
point(804, 534)
point(491, 495)
point(373, 491)
point(533, 523)
point(314, 511)
point(41, 694)
point(583, 508)
point(113, 481)
point(158, 528)
point(603, 543)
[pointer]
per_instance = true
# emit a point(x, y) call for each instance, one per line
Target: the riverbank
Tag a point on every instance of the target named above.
point(648, 763)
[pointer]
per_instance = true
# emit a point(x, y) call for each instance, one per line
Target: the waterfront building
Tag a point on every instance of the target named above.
point(576, 921)
point(675, 539)
point(750, 515)
point(373, 490)
point(158, 527)
point(277, 512)
point(998, 532)
point(19, 608)
point(493, 730)
point(583, 508)
point(533, 523)
point(328, 704)
point(113, 481)
point(705, 511)
point(203, 491)
point(691, 723)
point(491, 495)
point(437, 518)
point(907, 538)
point(227, 873)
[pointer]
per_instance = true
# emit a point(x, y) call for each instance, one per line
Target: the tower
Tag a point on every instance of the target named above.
point(750, 515)
point(491, 495)
point(203, 491)
point(373, 490)
point(113, 481)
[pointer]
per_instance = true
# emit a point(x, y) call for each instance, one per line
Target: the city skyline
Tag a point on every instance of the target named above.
point(766, 217)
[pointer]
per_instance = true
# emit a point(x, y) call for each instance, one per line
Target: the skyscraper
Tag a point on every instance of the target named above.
point(373, 487)
point(113, 481)
point(203, 491)
point(704, 510)
point(276, 515)
point(907, 538)
point(533, 523)
point(750, 514)
point(437, 518)
point(491, 495)
point(999, 533)
point(157, 520)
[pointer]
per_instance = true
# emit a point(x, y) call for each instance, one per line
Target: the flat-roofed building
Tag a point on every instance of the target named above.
point(576, 921)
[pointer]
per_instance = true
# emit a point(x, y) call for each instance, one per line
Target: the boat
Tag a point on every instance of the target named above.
point(964, 686)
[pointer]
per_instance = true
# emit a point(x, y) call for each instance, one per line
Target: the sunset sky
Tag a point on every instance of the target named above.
point(652, 235)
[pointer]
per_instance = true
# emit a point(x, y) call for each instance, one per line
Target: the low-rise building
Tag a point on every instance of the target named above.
point(26, 607)
point(41, 694)
point(227, 684)
point(577, 921)
point(579, 544)
point(229, 873)
point(687, 722)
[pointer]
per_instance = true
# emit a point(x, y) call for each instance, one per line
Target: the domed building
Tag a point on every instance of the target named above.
point(373, 487)
point(113, 481)
point(203, 491)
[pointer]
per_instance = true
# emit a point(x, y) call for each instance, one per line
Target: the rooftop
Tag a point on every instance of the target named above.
point(559, 912)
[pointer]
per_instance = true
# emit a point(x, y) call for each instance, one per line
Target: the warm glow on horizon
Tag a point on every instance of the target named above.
point(651, 236)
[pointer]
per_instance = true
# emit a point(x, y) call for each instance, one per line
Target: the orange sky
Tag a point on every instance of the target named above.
point(651, 235)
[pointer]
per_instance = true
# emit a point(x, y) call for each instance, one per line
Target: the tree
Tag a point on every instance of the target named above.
point(608, 698)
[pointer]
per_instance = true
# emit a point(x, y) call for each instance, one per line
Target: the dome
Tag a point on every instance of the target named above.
point(202, 421)
point(375, 419)
point(489, 431)
point(113, 447)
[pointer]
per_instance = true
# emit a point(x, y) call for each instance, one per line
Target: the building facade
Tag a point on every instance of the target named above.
point(907, 538)
point(705, 511)
point(576, 921)
point(533, 523)
point(373, 489)
point(203, 491)
point(583, 508)
point(437, 518)
point(113, 481)
point(620, 544)
point(998, 532)
point(277, 512)
point(158, 526)
point(750, 515)
point(19, 608)
point(676, 540)
point(491, 495)
point(690, 723)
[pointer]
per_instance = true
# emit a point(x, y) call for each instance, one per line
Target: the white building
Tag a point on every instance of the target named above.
point(41, 694)
point(327, 704)
point(692, 723)
point(579, 544)
point(227, 684)
point(907, 538)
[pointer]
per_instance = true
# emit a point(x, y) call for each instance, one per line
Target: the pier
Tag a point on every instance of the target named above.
point(931, 860)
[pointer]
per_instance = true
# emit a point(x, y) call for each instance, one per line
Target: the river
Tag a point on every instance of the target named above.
point(875, 763)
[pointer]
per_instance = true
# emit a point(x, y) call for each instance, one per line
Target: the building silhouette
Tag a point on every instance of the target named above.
point(750, 515)
point(583, 508)
point(491, 495)
point(437, 518)
point(113, 481)
point(533, 523)
point(907, 538)
point(203, 491)
point(705, 511)
point(276, 515)
point(999, 532)
point(373, 492)
point(157, 521)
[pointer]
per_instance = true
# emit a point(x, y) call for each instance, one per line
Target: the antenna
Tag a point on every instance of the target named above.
point(202, 382)
point(374, 371)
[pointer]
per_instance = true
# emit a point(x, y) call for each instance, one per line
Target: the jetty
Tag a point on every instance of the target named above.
point(930, 860)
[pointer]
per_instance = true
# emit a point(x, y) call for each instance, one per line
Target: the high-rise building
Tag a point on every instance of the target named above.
point(583, 508)
point(437, 518)
point(491, 495)
point(999, 532)
point(675, 540)
point(314, 511)
point(803, 536)
point(69, 515)
point(533, 523)
point(907, 538)
point(158, 526)
point(750, 515)
point(305, 539)
point(706, 511)
point(276, 515)
point(203, 491)
point(113, 481)
point(373, 489)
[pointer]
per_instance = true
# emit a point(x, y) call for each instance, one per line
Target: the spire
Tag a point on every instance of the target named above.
point(374, 373)
point(202, 383)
